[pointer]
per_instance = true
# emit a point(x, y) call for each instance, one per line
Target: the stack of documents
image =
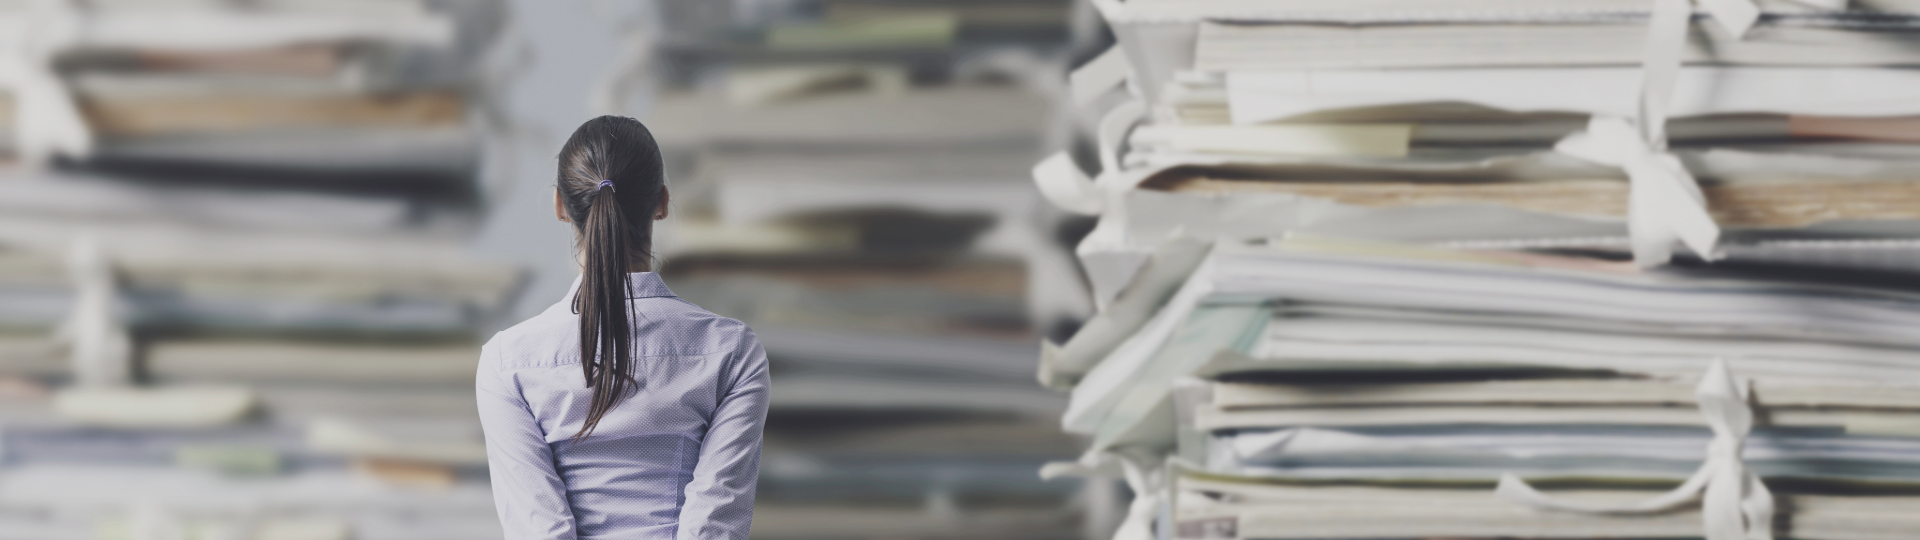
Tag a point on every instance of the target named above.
point(1506, 123)
point(849, 178)
point(881, 241)
point(1489, 268)
point(286, 166)
point(238, 297)
point(1225, 508)
point(325, 87)
point(1263, 391)
point(850, 181)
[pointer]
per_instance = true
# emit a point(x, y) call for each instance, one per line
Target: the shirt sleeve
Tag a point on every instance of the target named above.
point(719, 500)
point(528, 494)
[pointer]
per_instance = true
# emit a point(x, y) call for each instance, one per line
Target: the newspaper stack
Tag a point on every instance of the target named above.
point(1497, 269)
point(848, 178)
point(244, 227)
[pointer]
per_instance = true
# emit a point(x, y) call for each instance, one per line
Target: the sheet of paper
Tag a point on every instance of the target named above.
point(1264, 96)
point(1225, 47)
point(1364, 140)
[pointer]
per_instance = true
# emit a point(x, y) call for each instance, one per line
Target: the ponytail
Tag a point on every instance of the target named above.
point(606, 340)
point(610, 183)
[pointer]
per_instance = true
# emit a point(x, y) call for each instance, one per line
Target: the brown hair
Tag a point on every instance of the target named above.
point(610, 183)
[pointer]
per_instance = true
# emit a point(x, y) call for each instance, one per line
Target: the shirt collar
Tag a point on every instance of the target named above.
point(643, 285)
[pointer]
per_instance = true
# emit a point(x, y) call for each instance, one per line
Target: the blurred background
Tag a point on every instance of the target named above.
point(249, 250)
point(1025, 269)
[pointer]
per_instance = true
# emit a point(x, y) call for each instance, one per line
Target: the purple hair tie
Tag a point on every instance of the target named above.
point(604, 184)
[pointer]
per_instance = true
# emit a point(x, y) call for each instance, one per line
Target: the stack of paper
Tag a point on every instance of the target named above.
point(1489, 122)
point(284, 84)
point(849, 178)
point(1489, 268)
point(849, 186)
point(234, 266)
point(884, 239)
point(287, 166)
point(1310, 369)
point(1226, 508)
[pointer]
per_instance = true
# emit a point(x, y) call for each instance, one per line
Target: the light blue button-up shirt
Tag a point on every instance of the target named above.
point(677, 459)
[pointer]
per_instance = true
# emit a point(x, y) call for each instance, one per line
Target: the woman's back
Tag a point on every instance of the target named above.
point(676, 458)
point(621, 411)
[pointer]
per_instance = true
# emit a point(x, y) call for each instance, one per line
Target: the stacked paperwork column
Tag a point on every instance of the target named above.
point(1359, 265)
point(238, 301)
point(848, 179)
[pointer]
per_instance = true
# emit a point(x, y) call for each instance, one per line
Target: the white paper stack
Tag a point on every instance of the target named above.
point(238, 299)
point(849, 178)
point(206, 86)
point(289, 166)
point(856, 229)
point(1331, 368)
point(1494, 123)
point(1391, 269)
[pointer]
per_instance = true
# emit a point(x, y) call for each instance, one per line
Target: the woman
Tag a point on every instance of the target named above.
point(663, 439)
